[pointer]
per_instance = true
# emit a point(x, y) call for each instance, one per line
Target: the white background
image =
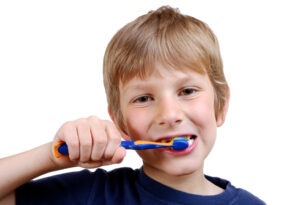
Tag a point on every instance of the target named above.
point(51, 65)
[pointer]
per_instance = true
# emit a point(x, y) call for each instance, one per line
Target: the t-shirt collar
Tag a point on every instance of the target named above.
point(168, 194)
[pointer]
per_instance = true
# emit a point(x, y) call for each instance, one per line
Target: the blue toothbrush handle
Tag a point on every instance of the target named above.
point(132, 145)
point(61, 148)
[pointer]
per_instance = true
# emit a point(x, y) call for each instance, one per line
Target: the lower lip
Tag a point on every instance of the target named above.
point(181, 152)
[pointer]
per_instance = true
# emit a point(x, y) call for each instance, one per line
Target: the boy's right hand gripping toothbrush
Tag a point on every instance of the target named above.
point(177, 143)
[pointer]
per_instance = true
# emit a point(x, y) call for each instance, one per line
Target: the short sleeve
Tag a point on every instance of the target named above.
point(69, 188)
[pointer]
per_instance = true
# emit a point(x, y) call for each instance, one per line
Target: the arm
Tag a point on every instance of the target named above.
point(92, 143)
point(18, 169)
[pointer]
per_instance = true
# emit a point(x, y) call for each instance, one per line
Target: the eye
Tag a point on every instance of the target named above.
point(142, 99)
point(187, 91)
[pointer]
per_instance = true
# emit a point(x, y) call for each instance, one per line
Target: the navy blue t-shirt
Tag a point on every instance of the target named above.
point(122, 186)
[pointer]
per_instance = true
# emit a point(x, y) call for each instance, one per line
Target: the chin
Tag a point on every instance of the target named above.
point(183, 169)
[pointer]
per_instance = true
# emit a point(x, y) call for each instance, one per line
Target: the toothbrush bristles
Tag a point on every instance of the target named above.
point(180, 143)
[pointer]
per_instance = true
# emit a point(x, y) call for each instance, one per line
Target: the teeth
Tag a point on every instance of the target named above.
point(190, 139)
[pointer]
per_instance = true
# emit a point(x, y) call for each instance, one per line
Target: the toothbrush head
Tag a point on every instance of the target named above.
point(180, 143)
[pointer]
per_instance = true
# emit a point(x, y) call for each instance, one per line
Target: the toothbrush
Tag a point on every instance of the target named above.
point(178, 143)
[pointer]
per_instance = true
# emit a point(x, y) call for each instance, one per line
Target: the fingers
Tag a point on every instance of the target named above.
point(85, 140)
point(117, 158)
point(113, 142)
point(69, 135)
point(99, 139)
point(106, 140)
point(119, 155)
point(92, 142)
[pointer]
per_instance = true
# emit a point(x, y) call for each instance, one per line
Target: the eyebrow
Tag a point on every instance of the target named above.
point(142, 86)
point(137, 87)
point(187, 80)
point(184, 80)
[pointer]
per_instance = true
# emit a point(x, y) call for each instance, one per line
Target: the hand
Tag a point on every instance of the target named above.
point(92, 142)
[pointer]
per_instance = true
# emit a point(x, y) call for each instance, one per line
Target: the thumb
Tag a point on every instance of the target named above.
point(119, 155)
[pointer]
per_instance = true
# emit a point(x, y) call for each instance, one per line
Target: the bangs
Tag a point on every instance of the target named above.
point(175, 45)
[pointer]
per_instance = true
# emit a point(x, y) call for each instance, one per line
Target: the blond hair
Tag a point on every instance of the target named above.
point(163, 36)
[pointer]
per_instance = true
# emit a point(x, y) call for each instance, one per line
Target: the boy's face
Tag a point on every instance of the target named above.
point(168, 104)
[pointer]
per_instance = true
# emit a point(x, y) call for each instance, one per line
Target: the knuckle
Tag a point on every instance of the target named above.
point(85, 144)
point(97, 122)
point(116, 140)
point(73, 157)
point(108, 155)
point(111, 126)
point(73, 144)
point(102, 141)
point(96, 156)
point(107, 122)
point(84, 159)
point(73, 154)
point(68, 126)
point(82, 122)
point(83, 128)
point(67, 123)
point(93, 118)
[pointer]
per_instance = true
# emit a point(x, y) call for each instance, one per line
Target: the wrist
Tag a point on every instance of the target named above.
point(44, 159)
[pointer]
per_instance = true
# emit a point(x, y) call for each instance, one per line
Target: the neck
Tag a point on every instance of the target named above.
point(193, 183)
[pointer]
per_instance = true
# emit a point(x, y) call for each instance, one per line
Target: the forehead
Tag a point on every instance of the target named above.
point(158, 69)
point(163, 76)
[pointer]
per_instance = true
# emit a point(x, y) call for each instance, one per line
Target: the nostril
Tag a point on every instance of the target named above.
point(169, 118)
point(178, 121)
point(162, 123)
point(170, 123)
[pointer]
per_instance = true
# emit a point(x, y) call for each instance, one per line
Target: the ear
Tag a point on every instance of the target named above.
point(123, 135)
point(222, 115)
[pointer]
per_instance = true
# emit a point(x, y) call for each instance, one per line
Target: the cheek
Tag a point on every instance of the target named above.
point(136, 123)
point(202, 114)
point(203, 110)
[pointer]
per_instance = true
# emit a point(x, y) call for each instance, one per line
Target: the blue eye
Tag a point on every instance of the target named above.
point(142, 99)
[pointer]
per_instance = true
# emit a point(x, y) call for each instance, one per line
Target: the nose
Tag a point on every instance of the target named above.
point(169, 113)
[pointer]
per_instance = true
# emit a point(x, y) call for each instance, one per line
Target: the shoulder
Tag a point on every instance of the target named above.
point(76, 187)
point(246, 198)
point(235, 196)
point(63, 187)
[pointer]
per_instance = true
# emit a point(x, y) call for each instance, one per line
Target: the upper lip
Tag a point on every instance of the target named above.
point(172, 136)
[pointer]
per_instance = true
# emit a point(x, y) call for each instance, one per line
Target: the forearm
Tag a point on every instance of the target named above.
point(91, 143)
point(21, 168)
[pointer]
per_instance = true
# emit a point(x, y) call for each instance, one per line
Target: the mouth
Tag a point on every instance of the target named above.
point(190, 139)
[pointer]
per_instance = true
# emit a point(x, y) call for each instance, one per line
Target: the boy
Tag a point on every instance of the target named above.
point(163, 77)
